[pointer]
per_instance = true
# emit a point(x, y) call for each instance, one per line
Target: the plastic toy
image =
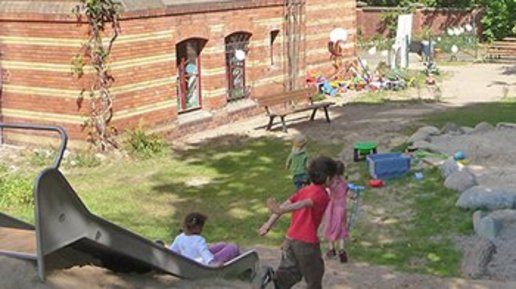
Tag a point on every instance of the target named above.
point(355, 190)
point(459, 156)
point(376, 183)
point(388, 165)
point(363, 149)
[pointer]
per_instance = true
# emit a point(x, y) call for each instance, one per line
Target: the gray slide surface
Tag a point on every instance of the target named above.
point(63, 221)
point(66, 233)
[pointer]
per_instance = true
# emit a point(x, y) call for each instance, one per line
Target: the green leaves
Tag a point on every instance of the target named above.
point(499, 18)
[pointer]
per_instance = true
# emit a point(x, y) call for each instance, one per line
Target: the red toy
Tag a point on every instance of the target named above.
point(376, 183)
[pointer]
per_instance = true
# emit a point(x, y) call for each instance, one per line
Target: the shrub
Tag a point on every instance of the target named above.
point(42, 157)
point(84, 160)
point(144, 145)
point(15, 189)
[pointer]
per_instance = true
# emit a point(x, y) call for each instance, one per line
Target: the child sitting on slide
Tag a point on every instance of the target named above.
point(192, 245)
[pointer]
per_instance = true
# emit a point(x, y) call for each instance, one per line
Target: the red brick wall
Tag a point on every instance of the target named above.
point(37, 52)
point(369, 20)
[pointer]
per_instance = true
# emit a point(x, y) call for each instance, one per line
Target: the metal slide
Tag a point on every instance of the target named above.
point(68, 234)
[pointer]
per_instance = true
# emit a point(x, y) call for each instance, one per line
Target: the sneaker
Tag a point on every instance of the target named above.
point(343, 256)
point(267, 277)
point(331, 254)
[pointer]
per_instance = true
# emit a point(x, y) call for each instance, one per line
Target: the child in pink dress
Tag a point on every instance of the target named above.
point(335, 228)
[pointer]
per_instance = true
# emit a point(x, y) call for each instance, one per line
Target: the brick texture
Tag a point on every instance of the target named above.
point(36, 56)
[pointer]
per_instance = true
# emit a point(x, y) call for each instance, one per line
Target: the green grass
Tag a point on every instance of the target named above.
point(229, 179)
point(411, 225)
point(471, 115)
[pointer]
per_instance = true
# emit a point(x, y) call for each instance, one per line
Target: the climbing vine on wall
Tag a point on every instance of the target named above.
point(100, 16)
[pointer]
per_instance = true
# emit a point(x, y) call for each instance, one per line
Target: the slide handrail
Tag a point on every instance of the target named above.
point(58, 129)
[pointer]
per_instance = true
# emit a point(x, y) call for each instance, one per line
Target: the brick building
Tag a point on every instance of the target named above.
point(179, 65)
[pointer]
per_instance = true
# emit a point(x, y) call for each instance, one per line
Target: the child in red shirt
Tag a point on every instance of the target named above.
point(301, 256)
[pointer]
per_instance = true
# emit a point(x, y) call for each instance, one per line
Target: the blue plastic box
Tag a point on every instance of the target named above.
point(388, 166)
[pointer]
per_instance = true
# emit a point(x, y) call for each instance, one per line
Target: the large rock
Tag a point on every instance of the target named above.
point(488, 227)
point(449, 167)
point(424, 145)
point(460, 180)
point(452, 128)
point(502, 125)
point(483, 127)
point(423, 134)
point(467, 129)
point(477, 216)
point(430, 130)
point(479, 197)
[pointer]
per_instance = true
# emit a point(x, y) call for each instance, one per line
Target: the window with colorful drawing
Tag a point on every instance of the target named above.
point(237, 48)
point(189, 95)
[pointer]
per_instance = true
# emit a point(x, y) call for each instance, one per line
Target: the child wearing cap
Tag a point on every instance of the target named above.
point(297, 160)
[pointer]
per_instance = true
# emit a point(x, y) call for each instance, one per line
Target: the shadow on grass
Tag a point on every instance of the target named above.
point(236, 175)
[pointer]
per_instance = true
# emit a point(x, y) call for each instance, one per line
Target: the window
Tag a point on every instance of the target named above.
point(274, 35)
point(189, 74)
point(237, 45)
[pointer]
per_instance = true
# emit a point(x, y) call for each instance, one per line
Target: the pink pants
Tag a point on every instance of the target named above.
point(223, 252)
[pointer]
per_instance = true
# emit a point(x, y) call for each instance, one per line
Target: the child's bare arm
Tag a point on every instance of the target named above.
point(264, 229)
point(287, 207)
point(289, 160)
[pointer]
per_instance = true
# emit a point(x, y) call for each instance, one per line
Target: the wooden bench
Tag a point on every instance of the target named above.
point(503, 50)
point(286, 103)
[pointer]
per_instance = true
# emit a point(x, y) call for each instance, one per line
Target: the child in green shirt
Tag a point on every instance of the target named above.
point(297, 160)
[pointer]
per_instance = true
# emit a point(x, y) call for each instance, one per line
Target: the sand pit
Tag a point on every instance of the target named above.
point(491, 154)
point(492, 159)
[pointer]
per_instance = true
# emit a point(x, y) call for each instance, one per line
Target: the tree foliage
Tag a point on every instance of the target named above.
point(499, 18)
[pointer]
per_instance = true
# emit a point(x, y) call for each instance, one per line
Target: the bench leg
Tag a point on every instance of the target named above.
point(283, 124)
point(271, 121)
point(327, 115)
point(313, 114)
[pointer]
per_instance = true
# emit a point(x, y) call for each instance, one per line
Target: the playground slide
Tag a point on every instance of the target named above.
point(66, 233)
point(63, 221)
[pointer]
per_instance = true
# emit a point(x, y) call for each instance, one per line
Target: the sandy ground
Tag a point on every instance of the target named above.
point(16, 274)
point(492, 155)
point(385, 124)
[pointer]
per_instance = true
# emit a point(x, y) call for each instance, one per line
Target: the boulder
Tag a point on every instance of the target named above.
point(489, 227)
point(479, 197)
point(483, 127)
point(467, 129)
point(418, 136)
point(430, 130)
point(423, 134)
point(460, 180)
point(477, 216)
point(424, 145)
point(452, 128)
point(449, 167)
point(503, 125)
